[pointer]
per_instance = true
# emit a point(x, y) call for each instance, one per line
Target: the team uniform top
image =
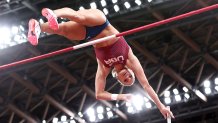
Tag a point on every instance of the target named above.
point(116, 53)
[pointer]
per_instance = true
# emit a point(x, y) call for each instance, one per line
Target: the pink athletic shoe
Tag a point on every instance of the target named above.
point(34, 31)
point(51, 17)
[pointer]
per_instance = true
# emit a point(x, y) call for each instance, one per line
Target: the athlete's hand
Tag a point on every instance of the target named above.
point(166, 112)
point(127, 97)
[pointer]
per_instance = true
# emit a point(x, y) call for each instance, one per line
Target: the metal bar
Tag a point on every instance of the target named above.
point(176, 52)
point(154, 74)
point(112, 86)
point(82, 102)
point(62, 108)
point(29, 100)
point(192, 65)
point(38, 104)
point(165, 50)
point(208, 35)
point(11, 87)
point(50, 119)
point(159, 82)
point(3, 112)
point(11, 118)
point(25, 83)
point(78, 92)
point(73, 96)
point(167, 88)
point(57, 83)
point(183, 60)
point(52, 101)
point(85, 68)
point(18, 94)
point(47, 78)
point(199, 73)
point(46, 111)
point(21, 113)
point(65, 90)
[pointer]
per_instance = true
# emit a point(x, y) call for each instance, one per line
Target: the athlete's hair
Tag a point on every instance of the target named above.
point(114, 74)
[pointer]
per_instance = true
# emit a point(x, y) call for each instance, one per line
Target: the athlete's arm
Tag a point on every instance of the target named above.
point(135, 65)
point(100, 82)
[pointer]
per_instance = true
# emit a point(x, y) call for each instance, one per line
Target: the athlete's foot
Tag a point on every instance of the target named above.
point(34, 31)
point(51, 17)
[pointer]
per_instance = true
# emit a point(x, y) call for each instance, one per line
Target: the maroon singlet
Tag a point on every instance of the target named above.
point(116, 53)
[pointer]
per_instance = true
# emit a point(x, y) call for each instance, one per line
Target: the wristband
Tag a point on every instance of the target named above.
point(114, 96)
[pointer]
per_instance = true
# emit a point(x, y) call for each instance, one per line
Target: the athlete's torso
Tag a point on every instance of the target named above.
point(111, 55)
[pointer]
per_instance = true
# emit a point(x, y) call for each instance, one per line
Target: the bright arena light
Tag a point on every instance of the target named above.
point(149, 1)
point(216, 88)
point(55, 120)
point(148, 105)
point(206, 83)
point(138, 2)
point(63, 118)
point(11, 36)
point(185, 89)
point(43, 121)
point(5, 35)
point(207, 91)
point(108, 109)
point(14, 30)
point(81, 8)
point(177, 98)
point(100, 116)
point(167, 100)
point(114, 1)
point(41, 21)
point(146, 99)
point(100, 109)
point(72, 121)
point(91, 114)
point(130, 109)
point(80, 114)
point(90, 111)
point(128, 104)
point(138, 101)
point(103, 3)
point(93, 5)
point(92, 118)
point(216, 81)
point(127, 5)
point(116, 8)
point(187, 96)
point(167, 93)
point(175, 91)
point(21, 28)
point(110, 114)
point(105, 11)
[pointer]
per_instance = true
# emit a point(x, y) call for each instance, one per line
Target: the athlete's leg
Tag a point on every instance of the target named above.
point(70, 30)
point(70, 14)
point(35, 29)
point(90, 17)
